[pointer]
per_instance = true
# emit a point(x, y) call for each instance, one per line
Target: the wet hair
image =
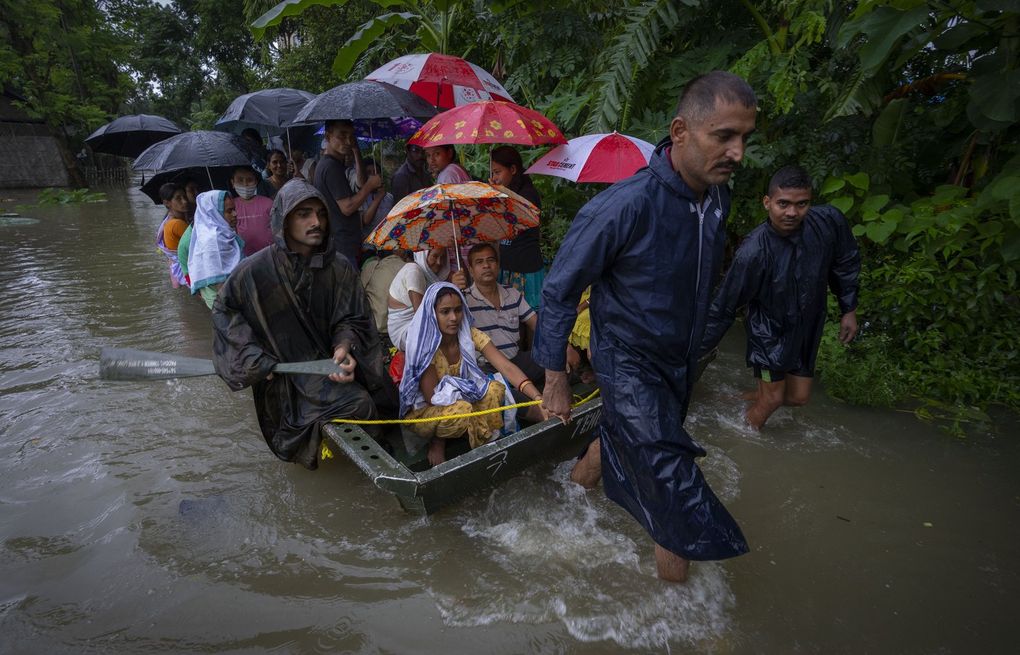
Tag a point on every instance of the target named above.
point(238, 169)
point(333, 124)
point(167, 191)
point(700, 95)
point(789, 177)
point(451, 149)
point(507, 156)
point(479, 247)
point(442, 293)
point(251, 133)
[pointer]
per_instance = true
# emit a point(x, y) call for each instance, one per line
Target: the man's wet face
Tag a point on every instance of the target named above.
point(416, 155)
point(484, 265)
point(708, 151)
point(787, 209)
point(341, 138)
point(307, 225)
point(230, 212)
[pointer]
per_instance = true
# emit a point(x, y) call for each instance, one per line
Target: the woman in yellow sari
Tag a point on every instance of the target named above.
point(442, 377)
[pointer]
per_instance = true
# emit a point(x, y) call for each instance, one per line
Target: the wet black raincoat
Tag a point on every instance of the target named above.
point(650, 253)
point(782, 281)
point(278, 306)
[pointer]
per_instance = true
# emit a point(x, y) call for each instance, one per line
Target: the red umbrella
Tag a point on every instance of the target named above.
point(490, 121)
point(595, 158)
point(444, 81)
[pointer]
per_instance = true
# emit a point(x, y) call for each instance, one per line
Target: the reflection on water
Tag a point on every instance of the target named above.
point(151, 516)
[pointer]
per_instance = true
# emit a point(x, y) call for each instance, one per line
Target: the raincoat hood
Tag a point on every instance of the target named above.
point(290, 195)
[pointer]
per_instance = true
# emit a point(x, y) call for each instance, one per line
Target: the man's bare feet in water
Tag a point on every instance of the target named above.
point(588, 470)
point(437, 451)
point(670, 566)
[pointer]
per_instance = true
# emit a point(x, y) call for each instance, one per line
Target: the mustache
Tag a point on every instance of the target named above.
point(729, 163)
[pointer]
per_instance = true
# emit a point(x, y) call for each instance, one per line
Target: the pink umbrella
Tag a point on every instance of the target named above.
point(444, 81)
point(595, 158)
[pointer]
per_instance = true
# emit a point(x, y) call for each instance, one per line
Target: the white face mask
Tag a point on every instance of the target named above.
point(246, 192)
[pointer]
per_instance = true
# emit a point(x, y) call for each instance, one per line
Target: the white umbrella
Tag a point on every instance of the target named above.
point(595, 158)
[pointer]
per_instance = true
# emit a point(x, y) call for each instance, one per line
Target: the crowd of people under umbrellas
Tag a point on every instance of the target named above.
point(279, 257)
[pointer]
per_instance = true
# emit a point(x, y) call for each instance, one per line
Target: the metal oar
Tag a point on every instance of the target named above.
point(127, 364)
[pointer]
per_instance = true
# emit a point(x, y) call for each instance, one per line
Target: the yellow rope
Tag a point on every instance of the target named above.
point(355, 421)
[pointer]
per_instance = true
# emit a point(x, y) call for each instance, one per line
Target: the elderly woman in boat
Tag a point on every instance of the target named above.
point(442, 377)
point(408, 288)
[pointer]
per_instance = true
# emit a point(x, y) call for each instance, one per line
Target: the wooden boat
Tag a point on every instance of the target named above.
point(424, 492)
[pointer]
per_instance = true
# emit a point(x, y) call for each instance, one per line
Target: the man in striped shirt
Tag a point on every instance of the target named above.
point(499, 311)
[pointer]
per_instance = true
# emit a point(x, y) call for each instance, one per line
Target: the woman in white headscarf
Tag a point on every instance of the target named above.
point(215, 248)
point(442, 378)
point(409, 286)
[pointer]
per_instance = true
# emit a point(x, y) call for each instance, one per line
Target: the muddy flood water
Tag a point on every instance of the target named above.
point(151, 517)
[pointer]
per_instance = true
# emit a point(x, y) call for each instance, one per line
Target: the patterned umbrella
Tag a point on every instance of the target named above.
point(447, 214)
point(595, 158)
point(489, 121)
point(443, 80)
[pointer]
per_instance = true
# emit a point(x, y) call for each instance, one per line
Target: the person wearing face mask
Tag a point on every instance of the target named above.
point(252, 211)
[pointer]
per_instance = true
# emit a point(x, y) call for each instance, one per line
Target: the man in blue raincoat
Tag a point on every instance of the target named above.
point(781, 273)
point(650, 247)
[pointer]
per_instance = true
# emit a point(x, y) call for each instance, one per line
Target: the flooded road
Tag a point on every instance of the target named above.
point(151, 517)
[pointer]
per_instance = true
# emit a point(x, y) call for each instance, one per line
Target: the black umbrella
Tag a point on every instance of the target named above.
point(127, 136)
point(364, 100)
point(199, 149)
point(269, 111)
point(218, 177)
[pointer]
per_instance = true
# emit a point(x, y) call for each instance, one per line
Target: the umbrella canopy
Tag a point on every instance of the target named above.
point(269, 111)
point(443, 80)
point(201, 148)
point(128, 136)
point(451, 214)
point(595, 158)
point(382, 129)
point(489, 121)
point(219, 177)
point(364, 101)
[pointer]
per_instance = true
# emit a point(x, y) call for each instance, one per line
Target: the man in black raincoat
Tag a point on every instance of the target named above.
point(650, 247)
point(780, 273)
point(298, 300)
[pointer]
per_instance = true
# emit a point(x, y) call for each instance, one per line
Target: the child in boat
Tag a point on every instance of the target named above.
point(442, 377)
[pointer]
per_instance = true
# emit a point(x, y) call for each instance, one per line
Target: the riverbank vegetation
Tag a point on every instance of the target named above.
point(906, 112)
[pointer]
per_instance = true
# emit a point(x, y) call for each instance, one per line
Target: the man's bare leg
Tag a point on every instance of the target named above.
point(798, 390)
point(770, 398)
point(588, 470)
point(670, 566)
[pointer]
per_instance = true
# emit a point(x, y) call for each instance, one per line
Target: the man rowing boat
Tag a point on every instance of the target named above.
point(293, 301)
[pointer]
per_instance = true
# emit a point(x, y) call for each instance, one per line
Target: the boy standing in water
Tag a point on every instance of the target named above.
point(780, 273)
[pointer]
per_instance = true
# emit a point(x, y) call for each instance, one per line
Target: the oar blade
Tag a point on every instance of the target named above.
point(316, 367)
point(128, 364)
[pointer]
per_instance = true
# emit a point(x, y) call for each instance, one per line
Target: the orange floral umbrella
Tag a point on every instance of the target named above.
point(452, 214)
point(489, 121)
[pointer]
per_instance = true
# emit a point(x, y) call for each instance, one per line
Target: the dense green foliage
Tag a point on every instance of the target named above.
point(905, 111)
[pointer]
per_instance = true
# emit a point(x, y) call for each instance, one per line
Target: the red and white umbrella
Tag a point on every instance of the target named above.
point(595, 158)
point(444, 81)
